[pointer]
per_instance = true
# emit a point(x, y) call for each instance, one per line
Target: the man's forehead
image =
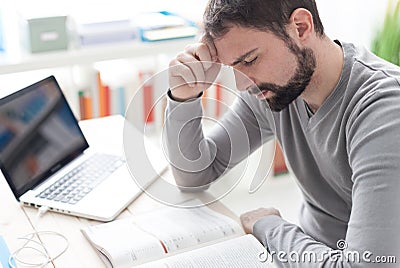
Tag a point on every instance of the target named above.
point(231, 54)
point(237, 42)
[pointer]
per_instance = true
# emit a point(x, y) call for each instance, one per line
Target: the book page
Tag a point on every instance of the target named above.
point(239, 252)
point(181, 228)
point(156, 234)
point(123, 244)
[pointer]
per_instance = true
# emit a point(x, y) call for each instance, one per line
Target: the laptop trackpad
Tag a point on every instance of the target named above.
point(114, 193)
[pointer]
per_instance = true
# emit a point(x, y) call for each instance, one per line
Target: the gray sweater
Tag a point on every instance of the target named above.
point(346, 158)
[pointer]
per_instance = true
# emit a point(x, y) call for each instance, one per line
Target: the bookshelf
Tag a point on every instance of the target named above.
point(17, 71)
point(90, 54)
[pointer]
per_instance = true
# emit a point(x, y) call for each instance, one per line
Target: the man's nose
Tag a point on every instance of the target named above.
point(243, 81)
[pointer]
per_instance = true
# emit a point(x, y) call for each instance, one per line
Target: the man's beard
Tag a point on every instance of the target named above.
point(284, 95)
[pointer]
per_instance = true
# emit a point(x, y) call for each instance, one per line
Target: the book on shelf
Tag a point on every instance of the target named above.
point(279, 164)
point(175, 237)
point(103, 94)
point(101, 99)
point(85, 105)
point(107, 31)
point(218, 96)
point(142, 101)
point(117, 100)
point(163, 25)
point(148, 98)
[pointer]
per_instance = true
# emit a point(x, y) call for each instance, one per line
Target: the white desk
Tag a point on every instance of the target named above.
point(16, 221)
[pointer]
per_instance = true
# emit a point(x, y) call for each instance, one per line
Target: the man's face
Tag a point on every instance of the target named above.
point(279, 71)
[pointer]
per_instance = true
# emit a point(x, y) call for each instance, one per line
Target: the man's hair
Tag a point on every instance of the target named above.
point(265, 15)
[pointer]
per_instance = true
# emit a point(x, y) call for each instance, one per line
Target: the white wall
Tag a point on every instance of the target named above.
point(353, 21)
point(348, 20)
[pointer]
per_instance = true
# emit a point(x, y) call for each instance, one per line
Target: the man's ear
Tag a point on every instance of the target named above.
point(302, 22)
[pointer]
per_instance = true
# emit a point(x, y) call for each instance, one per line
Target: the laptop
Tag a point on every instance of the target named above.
point(46, 159)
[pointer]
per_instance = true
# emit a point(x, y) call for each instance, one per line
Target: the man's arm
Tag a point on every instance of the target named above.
point(196, 159)
point(373, 230)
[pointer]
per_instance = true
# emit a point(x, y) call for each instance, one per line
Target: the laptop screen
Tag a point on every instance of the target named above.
point(38, 135)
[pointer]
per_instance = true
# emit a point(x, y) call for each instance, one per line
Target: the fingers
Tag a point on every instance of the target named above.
point(193, 70)
point(192, 63)
point(248, 219)
point(207, 40)
point(246, 223)
point(177, 69)
point(201, 53)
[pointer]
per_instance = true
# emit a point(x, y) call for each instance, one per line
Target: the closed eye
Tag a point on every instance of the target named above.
point(249, 62)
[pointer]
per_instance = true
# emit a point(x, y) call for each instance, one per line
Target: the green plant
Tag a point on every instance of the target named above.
point(386, 43)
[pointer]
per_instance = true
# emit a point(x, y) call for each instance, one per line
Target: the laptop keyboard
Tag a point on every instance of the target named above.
point(80, 181)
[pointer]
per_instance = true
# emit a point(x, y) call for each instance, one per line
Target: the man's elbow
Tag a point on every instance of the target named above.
point(191, 182)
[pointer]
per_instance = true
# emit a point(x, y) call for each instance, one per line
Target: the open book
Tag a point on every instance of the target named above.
point(175, 237)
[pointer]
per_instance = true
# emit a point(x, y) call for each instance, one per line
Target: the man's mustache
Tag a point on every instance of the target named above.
point(257, 89)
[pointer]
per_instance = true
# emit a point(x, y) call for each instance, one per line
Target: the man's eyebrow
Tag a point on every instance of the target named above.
point(243, 57)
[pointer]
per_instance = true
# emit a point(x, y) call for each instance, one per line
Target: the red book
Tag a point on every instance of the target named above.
point(279, 163)
point(218, 94)
point(107, 101)
point(102, 97)
point(204, 99)
point(148, 95)
point(148, 103)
